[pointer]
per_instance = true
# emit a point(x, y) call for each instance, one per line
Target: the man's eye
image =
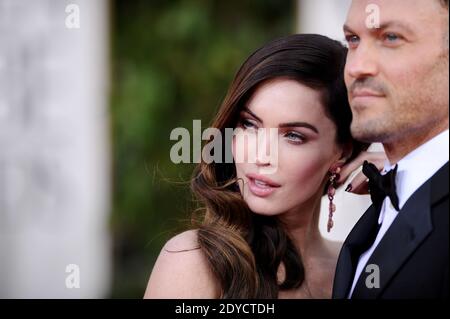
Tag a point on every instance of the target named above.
point(352, 40)
point(391, 37)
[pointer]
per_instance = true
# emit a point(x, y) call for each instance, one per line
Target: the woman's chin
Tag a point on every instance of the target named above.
point(263, 209)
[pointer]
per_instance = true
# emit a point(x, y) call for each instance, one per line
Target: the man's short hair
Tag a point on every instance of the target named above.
point(444, 4)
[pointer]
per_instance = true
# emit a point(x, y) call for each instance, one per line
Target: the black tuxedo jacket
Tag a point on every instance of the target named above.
point(412, 257)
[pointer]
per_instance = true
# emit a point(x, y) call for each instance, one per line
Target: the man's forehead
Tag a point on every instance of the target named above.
point(410, 13)
point(391, 4)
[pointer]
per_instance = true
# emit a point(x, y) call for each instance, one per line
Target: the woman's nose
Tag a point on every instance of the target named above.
point(267, 147)
point(261, 161)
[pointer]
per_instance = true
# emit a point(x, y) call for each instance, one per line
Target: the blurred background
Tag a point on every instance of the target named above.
point(89, 93)
point(172, 62)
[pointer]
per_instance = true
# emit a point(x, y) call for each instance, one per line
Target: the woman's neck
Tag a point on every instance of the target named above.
point(302, 225)
point(318, 255)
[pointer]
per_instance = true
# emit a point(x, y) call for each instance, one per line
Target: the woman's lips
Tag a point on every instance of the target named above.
point(261, 186)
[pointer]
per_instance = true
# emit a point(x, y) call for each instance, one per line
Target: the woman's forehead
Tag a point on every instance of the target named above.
point(285, 100)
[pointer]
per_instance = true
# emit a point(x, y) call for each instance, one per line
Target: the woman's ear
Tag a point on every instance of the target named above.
point(347, 151)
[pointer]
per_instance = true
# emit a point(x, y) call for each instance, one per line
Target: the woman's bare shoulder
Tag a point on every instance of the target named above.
point(182, 242)
point(182, 271)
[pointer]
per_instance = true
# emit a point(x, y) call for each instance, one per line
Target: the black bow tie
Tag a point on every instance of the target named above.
point(381, 186)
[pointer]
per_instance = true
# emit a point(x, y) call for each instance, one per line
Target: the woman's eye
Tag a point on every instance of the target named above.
point(247, 124)
point(295, 137)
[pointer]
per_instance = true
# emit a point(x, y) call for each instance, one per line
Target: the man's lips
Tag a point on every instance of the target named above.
point(365, 93)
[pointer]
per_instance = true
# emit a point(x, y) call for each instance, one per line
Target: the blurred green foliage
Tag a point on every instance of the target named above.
point(172, 62)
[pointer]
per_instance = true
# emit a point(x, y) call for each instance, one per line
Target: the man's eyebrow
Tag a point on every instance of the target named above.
point(285, 125)
point(383, 26)
point(396, 24)
point(348, 29)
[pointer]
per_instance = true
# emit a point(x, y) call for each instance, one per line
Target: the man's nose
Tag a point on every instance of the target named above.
point(361, 62)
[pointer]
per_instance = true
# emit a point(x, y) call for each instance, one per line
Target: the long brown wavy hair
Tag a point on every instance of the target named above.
point(244, 250)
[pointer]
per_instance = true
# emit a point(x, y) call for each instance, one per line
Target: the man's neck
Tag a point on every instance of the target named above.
point(398, 149)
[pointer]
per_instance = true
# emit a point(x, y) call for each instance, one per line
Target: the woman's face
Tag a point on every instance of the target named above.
point(294, 173)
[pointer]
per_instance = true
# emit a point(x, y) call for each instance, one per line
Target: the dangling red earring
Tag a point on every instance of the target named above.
point(334, 177)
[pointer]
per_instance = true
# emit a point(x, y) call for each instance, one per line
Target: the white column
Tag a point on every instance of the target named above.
point(323, 17)
point(327, 17)
point(54, 153)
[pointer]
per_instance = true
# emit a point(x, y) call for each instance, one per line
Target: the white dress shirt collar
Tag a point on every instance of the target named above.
point(413, 171)
point(419, 166)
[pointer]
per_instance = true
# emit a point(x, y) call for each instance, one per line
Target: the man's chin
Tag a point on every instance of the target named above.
point(367, 133)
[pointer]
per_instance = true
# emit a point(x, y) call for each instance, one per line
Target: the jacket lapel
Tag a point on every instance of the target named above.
point(439, 185)
point(350, 252)
point(410, 228)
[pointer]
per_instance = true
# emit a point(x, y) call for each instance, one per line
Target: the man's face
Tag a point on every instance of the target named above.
point(397, 74)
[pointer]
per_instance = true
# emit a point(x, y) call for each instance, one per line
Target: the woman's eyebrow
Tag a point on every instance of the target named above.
point(299, 124)
point(284, 125)
point(246, 110)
